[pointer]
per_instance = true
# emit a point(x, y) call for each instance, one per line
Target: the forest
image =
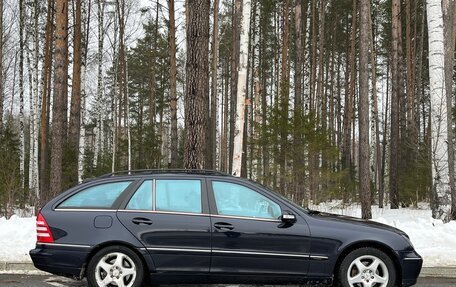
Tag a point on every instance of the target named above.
point(315, 99)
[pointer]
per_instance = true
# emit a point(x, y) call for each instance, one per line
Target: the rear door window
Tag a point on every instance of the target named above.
point(98, 196)
point(178, 195)
point(142, 199)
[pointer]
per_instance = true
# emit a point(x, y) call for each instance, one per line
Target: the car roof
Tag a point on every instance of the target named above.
point(146, 172)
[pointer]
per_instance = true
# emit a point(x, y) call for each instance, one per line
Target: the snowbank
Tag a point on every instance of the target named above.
point(17, 237)
point(435, 241)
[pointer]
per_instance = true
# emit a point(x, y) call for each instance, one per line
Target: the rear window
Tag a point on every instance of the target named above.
point(99, 196)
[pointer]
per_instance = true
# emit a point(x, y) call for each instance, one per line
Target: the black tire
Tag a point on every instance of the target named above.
point(367, 255)
point(139, 266)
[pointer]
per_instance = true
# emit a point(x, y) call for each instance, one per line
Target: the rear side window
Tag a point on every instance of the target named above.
point(142, 199)
point(178, 195)
point(99, 196)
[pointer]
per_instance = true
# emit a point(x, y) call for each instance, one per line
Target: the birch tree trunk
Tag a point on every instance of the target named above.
point(21, 92)
point(1, 66)
point(236, 16)
point(85, 24)
point(100, 86)
point(439, 108)
point(241, 89)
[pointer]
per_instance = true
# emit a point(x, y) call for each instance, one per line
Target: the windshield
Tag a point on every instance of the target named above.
point(289, 201)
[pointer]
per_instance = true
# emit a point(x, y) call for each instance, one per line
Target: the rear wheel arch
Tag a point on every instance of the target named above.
point(372, 244)
point(100, 246)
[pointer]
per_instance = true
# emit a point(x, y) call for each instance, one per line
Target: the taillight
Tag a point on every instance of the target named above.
point(43, 232)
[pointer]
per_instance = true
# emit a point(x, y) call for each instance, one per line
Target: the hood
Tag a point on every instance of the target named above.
point(343, 219)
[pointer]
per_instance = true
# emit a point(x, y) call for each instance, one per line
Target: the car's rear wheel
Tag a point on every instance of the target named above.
point(367, 267)
point(115, 266)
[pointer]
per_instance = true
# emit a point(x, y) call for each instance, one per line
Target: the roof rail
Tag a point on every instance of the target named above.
point(163, 171)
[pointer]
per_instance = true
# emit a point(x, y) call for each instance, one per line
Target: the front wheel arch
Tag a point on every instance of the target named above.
point(372, 244)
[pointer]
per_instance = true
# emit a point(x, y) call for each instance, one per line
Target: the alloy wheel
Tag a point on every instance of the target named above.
point(368, 271)
point(115, 269)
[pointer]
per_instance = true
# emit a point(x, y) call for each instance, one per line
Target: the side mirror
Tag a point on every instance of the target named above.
point(288, 218)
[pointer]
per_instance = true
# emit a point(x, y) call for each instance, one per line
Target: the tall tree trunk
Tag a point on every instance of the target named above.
point(1, 66)
point(21, 93)
point(225, 113)
point(381, 191)
point(235, 46)
point(45, 101)
point(75, 109)
point(37, 102)
point(313, 53)
point(197, 87)
point(85, 35)
point(298, 162)
point(364, 154)
point(98, 130)
point(214, 56)
point(439, 106)
point(349, 99)
point(173, 79)
point(60, 93)
point(449, 19)
point(241, 90)
point(395, 103)
point(284, 95)
point(375, 114)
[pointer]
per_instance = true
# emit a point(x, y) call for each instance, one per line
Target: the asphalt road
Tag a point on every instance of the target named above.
point(7, 280)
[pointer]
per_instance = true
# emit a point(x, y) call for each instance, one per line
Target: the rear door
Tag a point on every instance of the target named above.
point(169, 215)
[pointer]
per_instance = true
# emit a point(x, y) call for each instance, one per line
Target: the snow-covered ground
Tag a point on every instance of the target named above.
point(434, 240)
point(17, 237)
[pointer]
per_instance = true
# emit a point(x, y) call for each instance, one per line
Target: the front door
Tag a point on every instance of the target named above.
point(170, 217)
point(249, 238)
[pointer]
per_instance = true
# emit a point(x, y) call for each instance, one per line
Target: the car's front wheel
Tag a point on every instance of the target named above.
point(367, 267)
point(115, 266)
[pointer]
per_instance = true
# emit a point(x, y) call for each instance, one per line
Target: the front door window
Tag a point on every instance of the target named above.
point(237, 200)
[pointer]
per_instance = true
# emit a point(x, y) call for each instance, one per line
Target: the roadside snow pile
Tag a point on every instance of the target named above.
point(17, 237)
point(433, 239)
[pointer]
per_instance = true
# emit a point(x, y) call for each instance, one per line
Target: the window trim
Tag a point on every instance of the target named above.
point(213, 202)
point(204, 196)
point(114, 205)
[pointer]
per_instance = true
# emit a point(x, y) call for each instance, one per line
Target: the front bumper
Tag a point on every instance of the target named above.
point(411, 263)
point(60, 260)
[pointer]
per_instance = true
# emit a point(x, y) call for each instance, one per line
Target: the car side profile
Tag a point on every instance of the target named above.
point(196, 226)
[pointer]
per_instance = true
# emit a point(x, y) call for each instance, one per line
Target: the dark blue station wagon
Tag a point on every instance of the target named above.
point(187, 226)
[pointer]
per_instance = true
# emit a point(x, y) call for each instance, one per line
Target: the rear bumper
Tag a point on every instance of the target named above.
point(61, 260)
point(411, 263)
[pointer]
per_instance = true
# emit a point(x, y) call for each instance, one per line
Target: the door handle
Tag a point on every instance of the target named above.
point(141, 220)
point(223, 226)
